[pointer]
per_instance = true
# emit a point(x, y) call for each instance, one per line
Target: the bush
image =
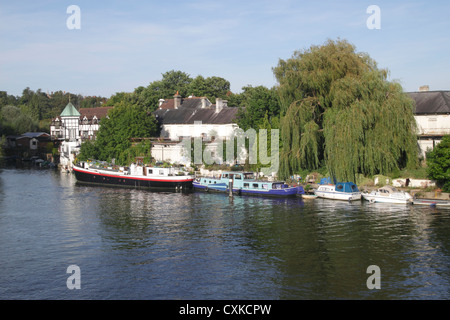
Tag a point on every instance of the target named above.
point(438, 162)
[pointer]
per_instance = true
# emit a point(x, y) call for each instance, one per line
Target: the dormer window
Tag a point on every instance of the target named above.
point(85, 120)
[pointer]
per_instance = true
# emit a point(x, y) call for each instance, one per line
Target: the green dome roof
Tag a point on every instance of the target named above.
point(70, 111)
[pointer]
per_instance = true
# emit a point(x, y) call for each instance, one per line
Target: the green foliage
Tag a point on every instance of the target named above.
point(256, 103)
point(113, 140)
point(174, 81)
point(14, 121)
point(438, 162)
point(38, 108)
point(339, 110)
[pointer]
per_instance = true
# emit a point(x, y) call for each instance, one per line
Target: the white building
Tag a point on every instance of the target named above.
point(72, 127)
point(432, 114)
point(191, 117)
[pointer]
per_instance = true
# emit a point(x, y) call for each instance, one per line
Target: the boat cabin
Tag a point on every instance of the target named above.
point(243, 180)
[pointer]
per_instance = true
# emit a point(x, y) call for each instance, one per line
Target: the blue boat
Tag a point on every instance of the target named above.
point(244, 183)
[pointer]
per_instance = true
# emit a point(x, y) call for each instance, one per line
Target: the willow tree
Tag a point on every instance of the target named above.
point(338, 109)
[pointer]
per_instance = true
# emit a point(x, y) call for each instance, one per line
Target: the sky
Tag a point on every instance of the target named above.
point(118, 46)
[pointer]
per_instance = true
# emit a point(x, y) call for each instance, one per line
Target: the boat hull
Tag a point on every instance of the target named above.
point(100, 178)
point(223, 188)
point(431, 202)
point(344, 196)
point(382, 199)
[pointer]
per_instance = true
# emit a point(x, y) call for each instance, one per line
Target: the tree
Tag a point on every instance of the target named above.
point(256, 103)
point(438, 162)
point(171, 82)
point(212, 87)
point(339, 110)
point(14, 121)
point(113, 140)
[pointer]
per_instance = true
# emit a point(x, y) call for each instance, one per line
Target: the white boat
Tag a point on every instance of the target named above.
point(347, 191)
point(432, 202)
point(309, 196)
point(388, 194)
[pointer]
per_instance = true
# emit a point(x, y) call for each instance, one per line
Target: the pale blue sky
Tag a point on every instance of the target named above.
point(125, 44)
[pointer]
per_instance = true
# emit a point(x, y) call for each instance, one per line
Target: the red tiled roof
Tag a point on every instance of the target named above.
point(99, 112)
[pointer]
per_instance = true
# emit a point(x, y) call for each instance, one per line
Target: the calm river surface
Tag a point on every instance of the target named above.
point(138, 244)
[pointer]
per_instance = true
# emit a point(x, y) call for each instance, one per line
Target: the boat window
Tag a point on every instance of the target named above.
point(249, 176)
point(354, 188)
point(225, 175)
point(255, 185)
point(237, 176)
point(246, 185)
point(339, 187)
point(265, 186)
point(150, 171)
point(161, 172)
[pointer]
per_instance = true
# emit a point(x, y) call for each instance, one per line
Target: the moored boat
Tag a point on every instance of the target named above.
point(388, 194)
point(244, 183)
point(340, 191)
point(432, 202)
point(135, 175)
point(309, 196)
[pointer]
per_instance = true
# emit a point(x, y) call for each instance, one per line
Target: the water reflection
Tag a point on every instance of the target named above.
point(140, 244)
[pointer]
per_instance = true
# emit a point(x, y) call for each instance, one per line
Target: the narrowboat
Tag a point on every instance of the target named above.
point(340, 191)
point(244, 183)
point(136, 175)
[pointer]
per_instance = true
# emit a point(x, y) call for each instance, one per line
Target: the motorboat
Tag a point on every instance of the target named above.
point(388, 194)
point(347, 191)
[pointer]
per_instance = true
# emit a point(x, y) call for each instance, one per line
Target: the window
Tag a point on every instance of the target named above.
point(246, 185)
point(150, 171)
point(255, 185)
point(161, 172)
point(339, 187)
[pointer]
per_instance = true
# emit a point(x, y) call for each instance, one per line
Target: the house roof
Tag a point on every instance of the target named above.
point(90, 113)
point(194, 109)
point(70, 111)
point(190, 115)
point(431, 102)
point(191, 102)
point(33, 135)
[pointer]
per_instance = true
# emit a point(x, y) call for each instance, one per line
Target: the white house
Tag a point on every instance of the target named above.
point(191, 117)
point(72, 127)
point(432, 114)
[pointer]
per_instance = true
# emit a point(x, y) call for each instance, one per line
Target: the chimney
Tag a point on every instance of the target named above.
point(161, 101)
point(203, 102)
point(219, 105)
point(424, 88)
point(176, 100)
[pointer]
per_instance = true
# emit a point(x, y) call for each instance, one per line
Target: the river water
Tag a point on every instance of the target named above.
point(139, 244)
